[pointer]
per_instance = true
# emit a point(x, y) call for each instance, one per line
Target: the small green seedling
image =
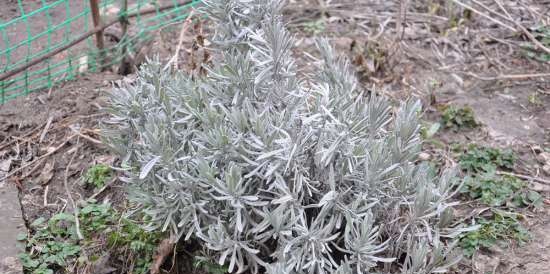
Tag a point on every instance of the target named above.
point(501, 229)
point(534, 99)
point(483, 182)
point(542, 34)
point(98, 175)
point(480, 159)
point(494, 190)
point(133, 239)
point(458, 118)
point(209, 266)
point(315, 27)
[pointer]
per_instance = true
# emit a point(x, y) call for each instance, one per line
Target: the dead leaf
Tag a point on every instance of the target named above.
point(47, 173)
point(106, 160)
point(5, 167)
point(539, 187)
point(101, 266)
point(163, 250)
point(544, 158)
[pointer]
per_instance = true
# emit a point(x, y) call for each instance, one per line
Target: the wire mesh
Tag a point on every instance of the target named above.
point(36, 31)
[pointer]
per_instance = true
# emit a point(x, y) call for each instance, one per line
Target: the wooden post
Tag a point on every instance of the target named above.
point(94, 6)
point(124, 21)
point(125, 66)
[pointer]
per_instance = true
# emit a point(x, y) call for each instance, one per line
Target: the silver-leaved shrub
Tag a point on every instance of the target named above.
point(273, 173)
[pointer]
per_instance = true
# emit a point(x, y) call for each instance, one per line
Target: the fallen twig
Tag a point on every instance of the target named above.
point(102, 189)
point(75, 207)
point(184, 28)
point(508, 76)
point(523, 29)
point(482, 14)
point(46, 128)
point(77, 132)
point(46, 190)
point(23, 176)
point(525, 177)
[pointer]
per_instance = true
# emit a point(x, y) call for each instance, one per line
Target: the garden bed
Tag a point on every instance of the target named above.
point(52, 138)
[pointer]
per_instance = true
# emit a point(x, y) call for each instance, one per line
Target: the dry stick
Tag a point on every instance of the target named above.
point(490, 10)
point(180, 42)
point(523, 29)
point(509, 76)
point(46, 128)
point(75, 207)
point(483, 14)
point(96, 17)
point(46, 190)
point(62, 76)
point(37, 159)
point(77, 132)
point(83, 37)
point(31, 171)
point(400, 31)
point(102, 189)
point(525, 177)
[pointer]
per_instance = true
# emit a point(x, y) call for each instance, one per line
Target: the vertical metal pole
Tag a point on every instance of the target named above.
point(94, 6)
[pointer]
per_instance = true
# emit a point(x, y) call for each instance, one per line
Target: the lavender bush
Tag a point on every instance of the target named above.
point(277, 174)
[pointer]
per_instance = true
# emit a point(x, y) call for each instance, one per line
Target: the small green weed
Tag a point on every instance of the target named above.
point(495, 190)
point(209, 266)
point(483, 183)
point(480, 159)
point(98, 175)
point(500, 229)
point(314, 27)
point(138, 240)
point(534, 99)
point(543, 35)
point(54, 245)
point(458, 118)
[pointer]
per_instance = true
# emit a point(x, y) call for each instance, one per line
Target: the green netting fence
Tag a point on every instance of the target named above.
point(35, 32)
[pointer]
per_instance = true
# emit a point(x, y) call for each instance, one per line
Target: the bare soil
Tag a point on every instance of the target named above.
point(399, 51)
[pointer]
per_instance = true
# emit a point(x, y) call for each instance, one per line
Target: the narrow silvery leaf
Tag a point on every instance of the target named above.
point(147, 167)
